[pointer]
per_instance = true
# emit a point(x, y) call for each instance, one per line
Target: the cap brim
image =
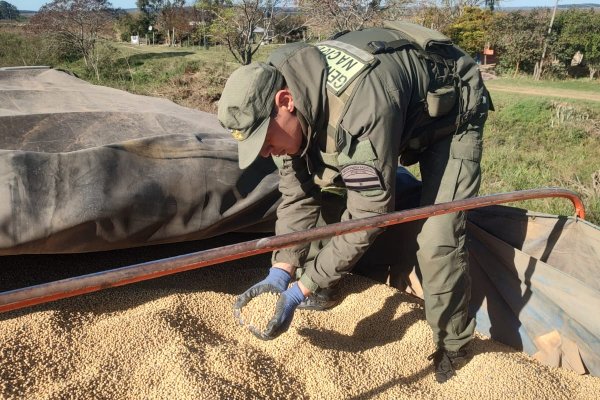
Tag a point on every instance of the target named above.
point(249, 149)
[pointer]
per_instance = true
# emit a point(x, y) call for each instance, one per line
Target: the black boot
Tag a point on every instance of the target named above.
point(447, 362)
point(323, 299)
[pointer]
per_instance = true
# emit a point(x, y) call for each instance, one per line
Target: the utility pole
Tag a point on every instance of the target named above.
point(538, 70)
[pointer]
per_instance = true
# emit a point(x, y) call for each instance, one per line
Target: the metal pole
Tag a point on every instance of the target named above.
point(65, 288)
point(538, 72)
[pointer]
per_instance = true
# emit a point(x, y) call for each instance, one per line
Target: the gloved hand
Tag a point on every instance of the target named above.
point(276, 282)
point(284, 313)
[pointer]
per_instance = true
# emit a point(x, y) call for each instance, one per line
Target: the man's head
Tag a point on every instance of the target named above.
point(259, 111)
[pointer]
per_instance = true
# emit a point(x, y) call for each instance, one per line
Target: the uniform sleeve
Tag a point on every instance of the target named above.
point(374, 121)
point(299, 208)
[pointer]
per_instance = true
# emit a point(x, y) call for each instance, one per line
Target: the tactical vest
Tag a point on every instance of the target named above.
point(347, 67)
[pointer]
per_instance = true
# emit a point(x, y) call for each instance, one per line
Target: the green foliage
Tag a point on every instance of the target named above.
point(519, 38)
point(128, 25)
point(577, 30)
point(8, 11)
point(469, 30)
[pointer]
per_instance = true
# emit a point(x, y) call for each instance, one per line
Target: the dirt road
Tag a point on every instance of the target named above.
point(553, 92)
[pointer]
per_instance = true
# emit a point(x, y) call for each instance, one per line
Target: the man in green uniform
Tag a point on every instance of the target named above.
point(337, 117)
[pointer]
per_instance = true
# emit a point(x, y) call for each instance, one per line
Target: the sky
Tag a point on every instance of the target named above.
point(34, 5)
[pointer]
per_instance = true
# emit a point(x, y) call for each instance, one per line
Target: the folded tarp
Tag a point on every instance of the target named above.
point(536, 284)
point(87, 168)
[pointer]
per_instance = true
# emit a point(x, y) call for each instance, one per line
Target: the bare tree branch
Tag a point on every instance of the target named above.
point(77, 25)
point(237, 22)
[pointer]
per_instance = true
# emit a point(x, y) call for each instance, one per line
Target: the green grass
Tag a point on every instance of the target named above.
point(526, 146)
point(151, 70)
point(219, 53)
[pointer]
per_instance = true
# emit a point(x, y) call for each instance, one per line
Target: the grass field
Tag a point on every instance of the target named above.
point(542, 134)
point(190, 76)
point(536, 141)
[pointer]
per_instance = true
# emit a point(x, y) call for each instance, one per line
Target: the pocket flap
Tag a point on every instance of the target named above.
point(466, 150)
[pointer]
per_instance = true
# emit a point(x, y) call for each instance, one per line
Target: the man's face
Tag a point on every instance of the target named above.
point(284, 135)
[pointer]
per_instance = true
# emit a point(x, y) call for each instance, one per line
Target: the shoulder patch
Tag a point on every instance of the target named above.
point(361, 177)
point(344, 63)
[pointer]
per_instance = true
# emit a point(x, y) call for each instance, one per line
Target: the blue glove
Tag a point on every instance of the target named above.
point(284, 313)
point(276, 282)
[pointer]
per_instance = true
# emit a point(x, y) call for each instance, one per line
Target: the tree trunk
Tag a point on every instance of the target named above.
point(516, 69)
point(593, 72)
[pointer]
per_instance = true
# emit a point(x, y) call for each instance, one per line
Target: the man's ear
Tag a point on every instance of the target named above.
point(284, 98)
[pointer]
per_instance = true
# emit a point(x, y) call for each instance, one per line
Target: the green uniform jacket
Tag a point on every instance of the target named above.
point(385, 117)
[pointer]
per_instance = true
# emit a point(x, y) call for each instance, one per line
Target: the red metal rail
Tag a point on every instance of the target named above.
point(29, 296)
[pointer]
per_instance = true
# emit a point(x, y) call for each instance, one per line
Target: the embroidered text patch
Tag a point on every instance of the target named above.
point(344, 64)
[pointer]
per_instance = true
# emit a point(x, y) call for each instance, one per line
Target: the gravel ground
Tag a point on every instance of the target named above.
point(176, 337)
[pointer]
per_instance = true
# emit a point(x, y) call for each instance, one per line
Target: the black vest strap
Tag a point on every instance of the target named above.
point(379, 46)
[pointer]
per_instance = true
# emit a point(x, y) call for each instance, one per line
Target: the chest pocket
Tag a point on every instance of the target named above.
point(333, 145)
point(346, 67)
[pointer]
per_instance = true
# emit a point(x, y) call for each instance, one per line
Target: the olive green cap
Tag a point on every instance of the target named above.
point(245, 106)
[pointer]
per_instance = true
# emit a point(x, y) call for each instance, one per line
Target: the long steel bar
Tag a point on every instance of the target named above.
point(29, 296)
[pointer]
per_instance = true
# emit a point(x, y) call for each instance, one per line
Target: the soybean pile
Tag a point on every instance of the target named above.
point(176, 337)
point(258, 312)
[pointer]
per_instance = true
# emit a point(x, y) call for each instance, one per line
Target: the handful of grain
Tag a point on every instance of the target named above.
point(259, 311)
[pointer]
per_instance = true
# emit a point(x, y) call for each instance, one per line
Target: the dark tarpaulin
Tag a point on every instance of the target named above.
point(87, 168)
point(536, 284)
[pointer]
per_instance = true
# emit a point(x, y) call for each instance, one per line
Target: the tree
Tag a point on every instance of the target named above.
point(341, 15)
point(519, 38)
point(441, 14)
point(77, 25)
point(433, 17)
point(469, 31)
point(491, 4)
point(577, 30)
point(171, 18)
point(8, 11)
point(236, 23)
point(397, 9)
point(150, 9)
point(208, 9)
point(290, 26)
point(129, 24)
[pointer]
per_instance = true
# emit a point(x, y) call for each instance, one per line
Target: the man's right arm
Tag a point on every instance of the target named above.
point(299, 208)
